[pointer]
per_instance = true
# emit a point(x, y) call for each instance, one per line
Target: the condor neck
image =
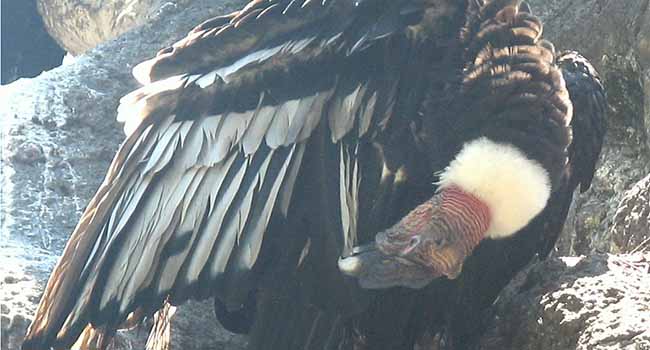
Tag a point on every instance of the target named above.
point(465, 214)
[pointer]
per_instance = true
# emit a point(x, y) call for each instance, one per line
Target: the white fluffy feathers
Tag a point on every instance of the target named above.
point(514, 187)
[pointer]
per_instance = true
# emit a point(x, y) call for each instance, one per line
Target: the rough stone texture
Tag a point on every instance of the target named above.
point(58, 135)
point(601, 302)
point(83, 24)
point(631, 228)
point(615, 37)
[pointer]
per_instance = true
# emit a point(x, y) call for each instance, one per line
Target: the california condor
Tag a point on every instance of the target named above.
point(287, 157)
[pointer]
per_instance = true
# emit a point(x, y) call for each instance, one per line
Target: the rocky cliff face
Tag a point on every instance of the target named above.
point(81, 25)
point(595, 302)
point(59, 134)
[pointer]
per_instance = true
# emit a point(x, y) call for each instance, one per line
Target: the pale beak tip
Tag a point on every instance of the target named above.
point(350, 266)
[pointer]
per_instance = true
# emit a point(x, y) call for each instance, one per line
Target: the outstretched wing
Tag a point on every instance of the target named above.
point(215, 141)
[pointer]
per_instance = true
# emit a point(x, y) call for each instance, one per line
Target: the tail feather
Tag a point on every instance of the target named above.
point(160, 335)
point(94, 339)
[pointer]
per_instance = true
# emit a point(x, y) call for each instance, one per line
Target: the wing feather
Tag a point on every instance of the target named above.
point(211, 185)
point(260, 125)
point(279, 128)
point(239, 204)
point(250, 238)
point(215, 143)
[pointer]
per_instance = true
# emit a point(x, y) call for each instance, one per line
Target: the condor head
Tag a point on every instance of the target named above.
point(432, 241)
point(490, 190)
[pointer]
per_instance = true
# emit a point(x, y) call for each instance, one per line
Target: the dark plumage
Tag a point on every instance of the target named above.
point(270, 142)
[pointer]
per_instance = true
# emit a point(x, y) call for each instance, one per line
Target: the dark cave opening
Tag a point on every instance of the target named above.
point(27, 48)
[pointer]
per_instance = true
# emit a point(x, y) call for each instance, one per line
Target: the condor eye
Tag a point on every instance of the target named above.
point(440, 241)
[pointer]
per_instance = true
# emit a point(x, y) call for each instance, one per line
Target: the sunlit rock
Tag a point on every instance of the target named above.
point(82, 25)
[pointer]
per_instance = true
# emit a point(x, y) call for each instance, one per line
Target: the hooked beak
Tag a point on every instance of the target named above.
point(428, 243)
point(411, 263)
point(390, 262)
point(439, 251)
point(374, 269)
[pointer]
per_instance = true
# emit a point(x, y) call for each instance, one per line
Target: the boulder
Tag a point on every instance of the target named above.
point(81, 25)
point(631, 226)
point(599, 302)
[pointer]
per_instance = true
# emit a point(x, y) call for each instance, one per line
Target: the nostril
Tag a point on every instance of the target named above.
point(415, 240)
point(412, 244)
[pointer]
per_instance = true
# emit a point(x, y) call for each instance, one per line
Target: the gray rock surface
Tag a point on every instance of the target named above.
point(631, 227)
point(81, 25)
point(601, 302)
